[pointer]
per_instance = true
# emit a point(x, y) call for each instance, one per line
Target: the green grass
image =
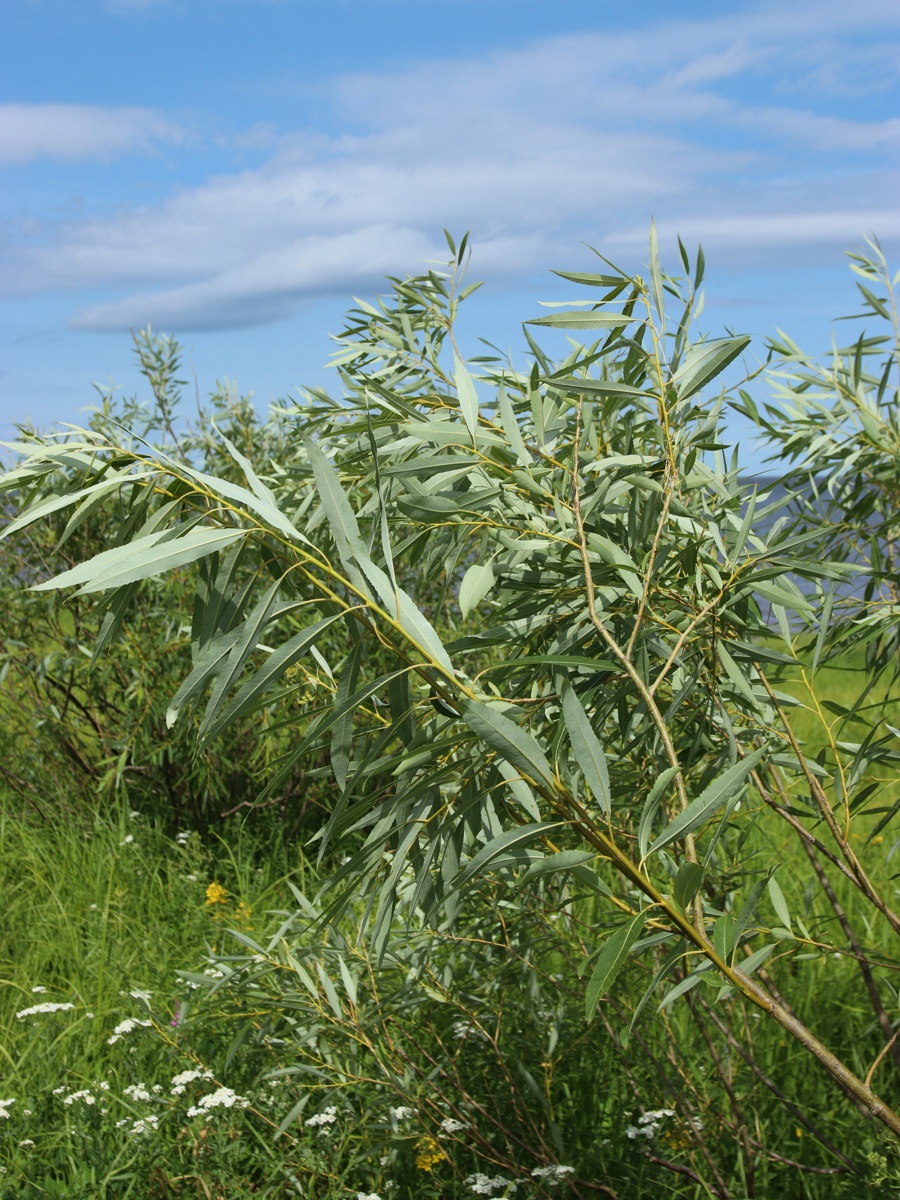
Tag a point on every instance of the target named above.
point(94, 909)
point(92, 916)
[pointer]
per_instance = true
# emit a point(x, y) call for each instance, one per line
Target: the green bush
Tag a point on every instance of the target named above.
point(552, 649)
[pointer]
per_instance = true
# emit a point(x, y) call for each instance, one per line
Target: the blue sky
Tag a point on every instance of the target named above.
point(233, 171)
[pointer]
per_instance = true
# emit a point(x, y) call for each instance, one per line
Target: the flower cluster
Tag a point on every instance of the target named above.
point(484, 1185)
point(327, 1117)
point(48, 1006)
point(125, 1027)
point(179, 1082)
point(648, 1124)
point(428, 1153)
point(222, 1097)
point(552, 1174)
point(4, 1105)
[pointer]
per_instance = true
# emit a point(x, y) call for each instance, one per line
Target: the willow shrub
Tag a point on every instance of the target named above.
point(536, 620)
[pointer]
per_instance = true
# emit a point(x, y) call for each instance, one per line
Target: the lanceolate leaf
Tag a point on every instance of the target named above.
point(510, 840)
point(611, 960)
point(509, 740)
point(576, 319)
point(586, 748)
point(468, 397)
point(477, 582)
point(341, 518)
point(249, 693)
point(708, 803)
point(248, 635)
point(411, 619)
point(704, 362)
point(143, 558)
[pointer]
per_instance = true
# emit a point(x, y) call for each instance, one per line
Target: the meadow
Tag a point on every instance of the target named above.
point(475, 806)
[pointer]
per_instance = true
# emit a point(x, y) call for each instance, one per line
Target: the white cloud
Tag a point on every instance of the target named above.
point(533, 148)
point(29, 132)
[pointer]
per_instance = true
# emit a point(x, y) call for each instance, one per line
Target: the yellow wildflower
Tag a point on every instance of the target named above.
point(216, 894)
point(429, 1153)
point(242, 915)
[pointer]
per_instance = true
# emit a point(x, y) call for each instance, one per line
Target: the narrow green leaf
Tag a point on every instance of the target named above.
point(563, 860)
point(704, 362)
point(723, 937)
point(509, 740)
point(248, 635)
point(209, 662)
point(757, 958)
point(586, 748)
point(611, 960)
point(596, 387)
point(249, 693)
point(509, 840)
point(776, 895)
point(402, 608)
point(748, 909)
point(340, 516)
point(342, 730)
point(476, 583)
point(511, 427)
point(51, 504)
point(656, 284)
point(576, 319)
point(142, 559)
point(651, 804)
point(468, 397)
point(687, 883)
point(707, 804)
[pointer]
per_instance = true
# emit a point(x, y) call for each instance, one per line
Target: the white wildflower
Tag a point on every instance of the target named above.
point(119, 1124)
point(179, 1082)
point(483, 1185)
point(144, 1126)
point(367, 1196)
point(552, 1174)
point(125, 1027)
point(136, 1091)
point(134, 814)
point(26, 1112)
point(128, 840)
point(89, 1016)
point(92, 908)
point(403, 1113)
point(222, 1097)
point(86, 1096)
point(47, 1007)
point(327, 1117)
point(4, 1105)
point(39, 989)
point(451, 1125)
point(648, 1124)
point(213, 973)
point(25, 1142)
